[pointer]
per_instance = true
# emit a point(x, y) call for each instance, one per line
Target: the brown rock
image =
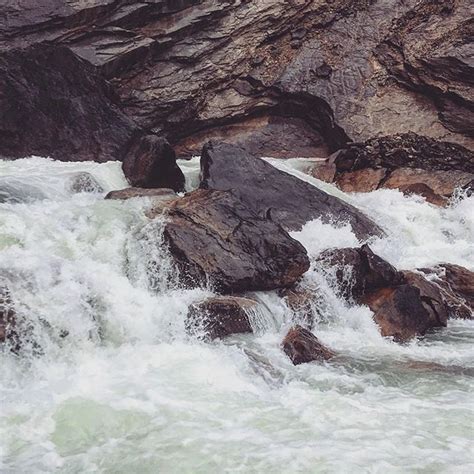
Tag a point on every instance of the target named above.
point(220, 316)
point(215, 238)
point(151, 163)
point(359, 270)
point(301, 346)
point(401, 312)
point(360, 181)
point(324, 171)
point(164, 194)
point(440, 182)
point(456, 284)
point(408, 150)
point(425, 191)
point(302, 302)
point(270, 192)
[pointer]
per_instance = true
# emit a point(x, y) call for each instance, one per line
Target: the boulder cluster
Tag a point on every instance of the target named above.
point(380, 91)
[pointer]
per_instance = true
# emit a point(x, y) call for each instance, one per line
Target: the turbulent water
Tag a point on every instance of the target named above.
point(112, 383)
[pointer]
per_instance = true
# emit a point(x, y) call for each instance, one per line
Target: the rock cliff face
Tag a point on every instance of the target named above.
point(283, 78)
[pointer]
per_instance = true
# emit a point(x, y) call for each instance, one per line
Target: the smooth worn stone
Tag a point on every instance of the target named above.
point(215, 239)
point(270, 192)
point(164, 194)
point(220, 316)
point(302, 346)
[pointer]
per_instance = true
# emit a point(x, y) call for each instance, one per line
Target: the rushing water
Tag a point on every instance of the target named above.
point(127, 391)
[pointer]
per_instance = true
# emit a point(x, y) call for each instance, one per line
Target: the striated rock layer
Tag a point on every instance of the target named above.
point(282, 78)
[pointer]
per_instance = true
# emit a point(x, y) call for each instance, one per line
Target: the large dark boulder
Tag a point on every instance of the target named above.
point(270, 192)
point(220, 316)
point(151, 163)
point(301, 346)
point(215, 238)
point(53, 103)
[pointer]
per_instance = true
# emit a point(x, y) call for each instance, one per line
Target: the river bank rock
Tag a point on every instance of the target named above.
point(405, 304)
point(53, 103)
point(220, 316)
point(302, 346)
point(270, 192)
point(409, 162)
point(214, 238)
point(298, 78)
point(151, 163)
point(165, 194)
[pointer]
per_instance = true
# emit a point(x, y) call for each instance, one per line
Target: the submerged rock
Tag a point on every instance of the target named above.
point(84, 183)
point(14, 191)
point(164, 194)
point(270, 192)
point(151, 163)
point(7, 315)
point(302, 302)
point(220, 316)
point(214, 238)
point(301, 346)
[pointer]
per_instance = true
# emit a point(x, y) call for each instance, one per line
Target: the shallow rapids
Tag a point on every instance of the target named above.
point(113, 384)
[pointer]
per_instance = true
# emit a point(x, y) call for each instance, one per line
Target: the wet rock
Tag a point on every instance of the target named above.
point(151, 163)
point(407, 150)
point(14, 191)
point(456, 284)
point(409, 162)
point(164, 194)
point(220, 316)
point(84, 183)
point(401, 312)
point(270, 192)
point(7, 315)
point(425, 191)
point(214, 238)
point(302, 346)
point(359, 270)
point(52, 103)
point(324, 171)
point(302, 302)
point(405, 304)
point(360, 181)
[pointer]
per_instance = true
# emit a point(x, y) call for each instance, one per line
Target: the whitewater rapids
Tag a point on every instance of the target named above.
point(127, 391)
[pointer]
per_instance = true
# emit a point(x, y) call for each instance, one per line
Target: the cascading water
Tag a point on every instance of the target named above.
point(112, 383)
